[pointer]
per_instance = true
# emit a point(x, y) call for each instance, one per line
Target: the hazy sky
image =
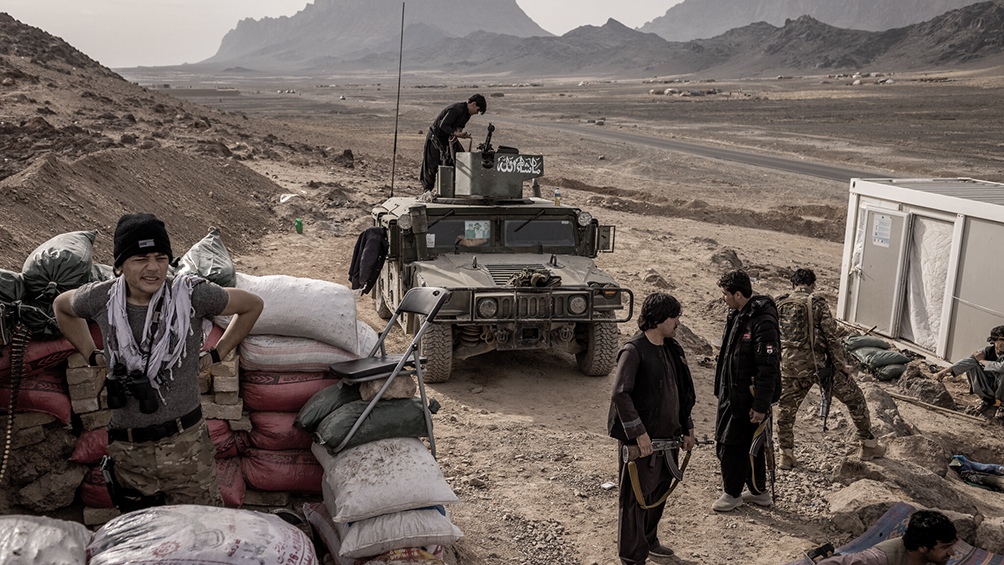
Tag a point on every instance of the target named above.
point(127, 33)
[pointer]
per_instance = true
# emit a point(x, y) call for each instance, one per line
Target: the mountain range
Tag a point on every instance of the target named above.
point(367, 41)
point(695, 19)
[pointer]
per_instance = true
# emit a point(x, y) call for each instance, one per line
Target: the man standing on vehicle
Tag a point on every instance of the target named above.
point(443, 135)
point(747, 382)
point(653, 398)
point(808, 340)
point(152, 333)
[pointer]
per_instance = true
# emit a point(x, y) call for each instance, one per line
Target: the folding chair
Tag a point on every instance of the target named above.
point(425, 301)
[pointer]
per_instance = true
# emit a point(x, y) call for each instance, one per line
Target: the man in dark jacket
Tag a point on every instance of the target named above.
point(653, 397)
point(444, 132)
point(747, 382)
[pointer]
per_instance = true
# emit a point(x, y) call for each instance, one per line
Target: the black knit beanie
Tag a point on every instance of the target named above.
point(139, 234)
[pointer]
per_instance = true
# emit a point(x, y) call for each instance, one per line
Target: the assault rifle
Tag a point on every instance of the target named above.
point(661, 448)
point(825, 379)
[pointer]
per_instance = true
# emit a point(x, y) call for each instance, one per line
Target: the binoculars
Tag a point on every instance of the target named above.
point(122, 384)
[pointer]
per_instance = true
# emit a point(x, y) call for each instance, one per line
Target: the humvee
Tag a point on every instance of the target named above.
point(520, 269)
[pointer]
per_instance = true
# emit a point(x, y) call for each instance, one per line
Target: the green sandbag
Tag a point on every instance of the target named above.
point(401, 417)
point(875, 357)
point(101, 272)
point(60, 264)
point(856, 341)
point(890, 372)
point(209, 259)
point(324, 402)
point(11, 286)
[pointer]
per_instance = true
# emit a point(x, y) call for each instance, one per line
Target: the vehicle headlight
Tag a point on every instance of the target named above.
point(584, 218)
point(487, 307)
point(577, 305)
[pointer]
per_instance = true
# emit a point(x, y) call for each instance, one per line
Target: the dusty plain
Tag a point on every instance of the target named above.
point(522, 436)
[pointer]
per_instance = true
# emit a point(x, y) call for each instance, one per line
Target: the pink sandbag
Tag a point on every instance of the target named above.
point(231, 481)
point(276, 430)
point(44, 392)
point(227, 442)
point(41, 355)
point(288, 470)
point(91, 446)
point(94, 491)
point(271, 391)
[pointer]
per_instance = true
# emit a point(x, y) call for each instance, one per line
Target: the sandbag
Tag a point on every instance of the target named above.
point(11, 286)
point(324, 402)
point(39, 318)
point(209, 259)
point(288, 470)
point(91, 446)
point(31, 540)
point(889, 372)
point(380, 477)
point(402, 417)
point(283, 354)
point(857, 341)
point(320, 520)
point(275, 431)
point(230, 479)
point(60, 264)
point(181, 534)
point(299, 307)
point(874, 357)
point(398, 530)
point(94, 490)
point(101, 272)
point(227, 442)
point(43, 392)
point(42, 355)
point(272, 391)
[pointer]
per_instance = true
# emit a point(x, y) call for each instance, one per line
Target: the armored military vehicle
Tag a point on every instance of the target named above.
point(520, 269)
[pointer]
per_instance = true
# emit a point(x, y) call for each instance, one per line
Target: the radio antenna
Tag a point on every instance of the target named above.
point(397, 109)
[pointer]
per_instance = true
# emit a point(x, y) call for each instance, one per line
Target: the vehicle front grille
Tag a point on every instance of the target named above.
point(502, 273)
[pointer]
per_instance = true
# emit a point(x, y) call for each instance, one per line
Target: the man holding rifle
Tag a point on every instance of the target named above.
point(811, 353)
point(650, 415)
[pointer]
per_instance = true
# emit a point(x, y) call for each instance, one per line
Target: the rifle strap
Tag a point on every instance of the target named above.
point(636, 485)
point(811, 320)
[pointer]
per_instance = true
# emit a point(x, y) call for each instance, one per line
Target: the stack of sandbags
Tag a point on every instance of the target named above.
point(305, 326)
point(877, 355)
point(383, 496)
point(200, 534)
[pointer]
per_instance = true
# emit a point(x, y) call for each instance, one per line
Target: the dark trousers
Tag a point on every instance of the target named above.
point(735, 460)
point(638, 529)
point(432, 157)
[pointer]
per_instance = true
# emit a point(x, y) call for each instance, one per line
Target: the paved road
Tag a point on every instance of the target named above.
point(798, 166)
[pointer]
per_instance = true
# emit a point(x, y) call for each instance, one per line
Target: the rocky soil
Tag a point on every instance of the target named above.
point(522, 435)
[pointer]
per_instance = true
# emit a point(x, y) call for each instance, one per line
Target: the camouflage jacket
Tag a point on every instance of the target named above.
point(796, 355)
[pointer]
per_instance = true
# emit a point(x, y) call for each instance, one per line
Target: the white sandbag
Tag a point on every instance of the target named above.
point(283, 354)
point(411, 528)
point(367, 338)
point(320, 521)
point(299, 307)
point(381, 477)
point(29, 540)
point(186, 534)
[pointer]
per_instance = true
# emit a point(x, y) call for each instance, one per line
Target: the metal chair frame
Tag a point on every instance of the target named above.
point(425, 301)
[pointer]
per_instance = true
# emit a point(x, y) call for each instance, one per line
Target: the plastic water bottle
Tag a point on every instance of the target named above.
point(557, 197)
point(298, 224)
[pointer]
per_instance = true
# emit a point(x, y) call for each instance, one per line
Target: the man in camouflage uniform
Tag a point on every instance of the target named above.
point(799, 362)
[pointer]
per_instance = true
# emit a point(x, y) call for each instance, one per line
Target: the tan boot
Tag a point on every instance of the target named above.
point(870, 449)
point(788, 460)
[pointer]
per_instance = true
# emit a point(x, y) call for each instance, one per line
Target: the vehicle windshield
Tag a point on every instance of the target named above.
point(448, 233)
point(540, 231)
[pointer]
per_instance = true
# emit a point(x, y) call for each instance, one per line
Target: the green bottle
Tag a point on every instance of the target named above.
point(298, 224)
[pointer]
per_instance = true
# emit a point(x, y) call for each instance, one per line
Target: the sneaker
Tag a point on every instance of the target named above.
point(762, 499)
point(660, 551)
point(727, 503)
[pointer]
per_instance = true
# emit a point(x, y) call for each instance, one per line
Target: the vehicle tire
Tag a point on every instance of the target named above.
point(437, 348)
point(600, 353)
point(380, 302)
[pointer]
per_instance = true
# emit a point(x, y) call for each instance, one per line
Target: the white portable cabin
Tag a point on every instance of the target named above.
point(922, 262)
